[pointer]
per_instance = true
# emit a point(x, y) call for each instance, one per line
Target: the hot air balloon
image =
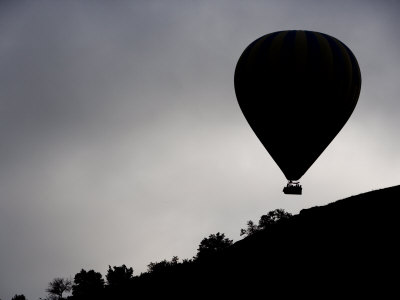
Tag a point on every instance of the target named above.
point(297, 89)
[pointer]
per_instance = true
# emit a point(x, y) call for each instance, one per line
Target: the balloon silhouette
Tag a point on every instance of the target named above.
point(297, 89)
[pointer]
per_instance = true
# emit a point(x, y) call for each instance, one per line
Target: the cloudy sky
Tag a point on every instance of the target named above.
point(121, 140)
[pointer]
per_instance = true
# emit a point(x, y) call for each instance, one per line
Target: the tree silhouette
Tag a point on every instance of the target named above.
point(162, 266)
point(119, 282)
point(57, 287)
point(269, 219)
point(119, 276)
point(88, 285)
point(273, 217)
point(18, 297)
point(212, 245)
point(251, 228)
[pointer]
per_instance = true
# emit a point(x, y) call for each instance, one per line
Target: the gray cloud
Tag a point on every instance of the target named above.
point(121, 140)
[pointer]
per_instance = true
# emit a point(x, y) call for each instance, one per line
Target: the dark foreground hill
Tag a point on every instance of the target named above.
point(348, 248)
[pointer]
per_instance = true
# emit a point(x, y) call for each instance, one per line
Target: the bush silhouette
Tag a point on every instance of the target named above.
point(212, 245)
point(163, 266)
point(269, 219)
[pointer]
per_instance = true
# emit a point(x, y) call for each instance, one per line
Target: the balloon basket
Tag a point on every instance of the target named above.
point(293, 188)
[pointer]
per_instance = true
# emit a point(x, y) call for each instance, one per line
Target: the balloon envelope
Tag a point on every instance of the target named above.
point(297, 89)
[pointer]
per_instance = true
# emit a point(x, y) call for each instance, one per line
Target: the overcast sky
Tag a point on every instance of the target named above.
point(121, 140)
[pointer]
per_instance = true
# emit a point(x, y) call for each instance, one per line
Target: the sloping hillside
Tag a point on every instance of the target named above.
point(346, 248)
